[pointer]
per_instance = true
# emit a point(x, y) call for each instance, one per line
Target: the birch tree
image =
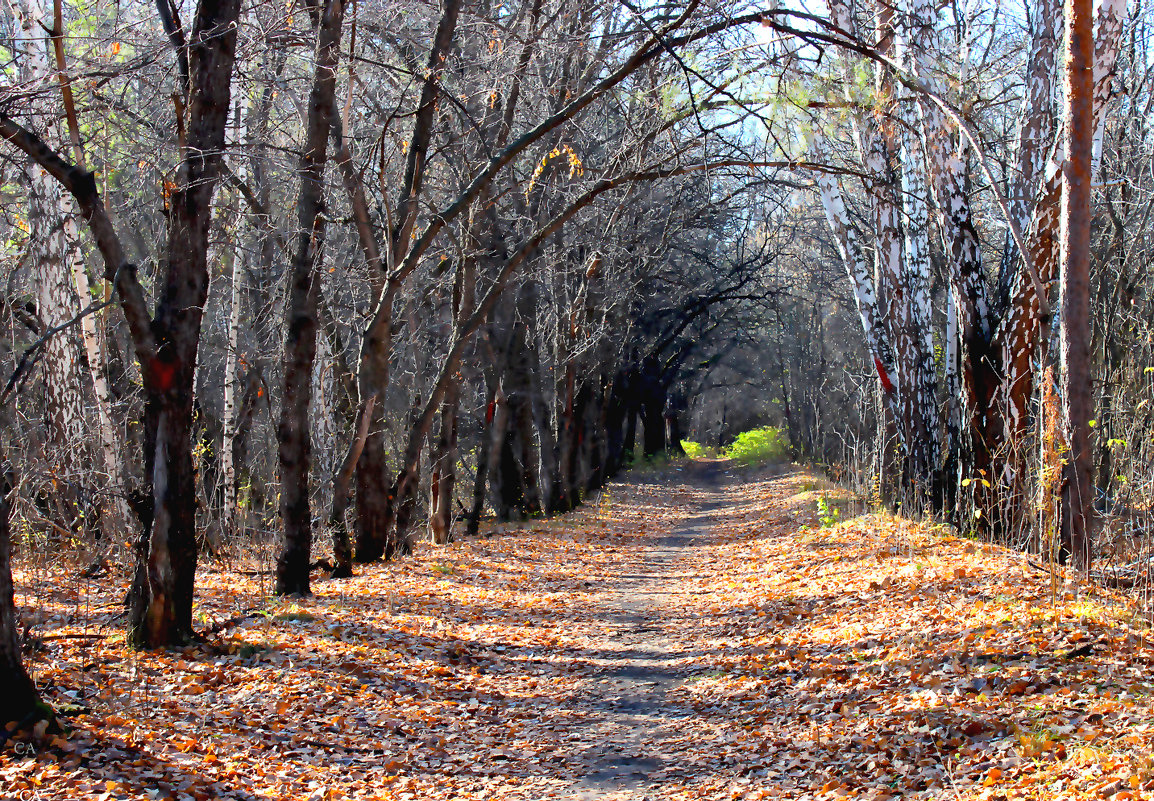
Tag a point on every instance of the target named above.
point(1000, 339)
point(52, 253)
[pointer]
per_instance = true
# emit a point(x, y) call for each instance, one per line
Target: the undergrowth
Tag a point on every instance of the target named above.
point(766, 445)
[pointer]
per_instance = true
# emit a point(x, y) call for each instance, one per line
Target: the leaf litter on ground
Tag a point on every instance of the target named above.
point(872, 658)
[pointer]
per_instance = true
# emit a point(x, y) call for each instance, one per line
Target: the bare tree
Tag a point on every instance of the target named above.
point(1076, 365)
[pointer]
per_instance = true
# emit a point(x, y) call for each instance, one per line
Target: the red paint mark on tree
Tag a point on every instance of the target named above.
point(163, 371)
point(887, 385)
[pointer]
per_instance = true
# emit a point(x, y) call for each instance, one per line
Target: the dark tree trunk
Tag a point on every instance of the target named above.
point(166, 344)
point(791, 425)
point(342, 546)
point(578, 446)
point(244, 416)
point(492, 436)
point(567, 446)
point(630, 446)
point(372, 497)
point(520, 478)
point(373, 504)
point(444, 479)
point(295, 444)
point(595, 437)
point(508, 494)
point(674, 435)
point(19, 702)
point(405, 491)
point(161, 613)
point(616, 409)
point(444, 476)
point(549, 479)
point(651, 391)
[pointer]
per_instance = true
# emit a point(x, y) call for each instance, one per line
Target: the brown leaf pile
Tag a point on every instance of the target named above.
point(873, 658)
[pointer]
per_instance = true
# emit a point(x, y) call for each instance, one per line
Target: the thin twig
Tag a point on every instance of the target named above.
point(26, 361)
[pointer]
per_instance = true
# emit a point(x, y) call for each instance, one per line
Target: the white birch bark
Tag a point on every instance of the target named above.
point(946, 159)
point(56, 304)
point(920, 402)
point(1109, 18)
point(858, 270)
point(111, 442)
point(52, 252)
point(955, 397)
point(1038, 122)
point(889, 311)
point(323, 414)
point(232, 362)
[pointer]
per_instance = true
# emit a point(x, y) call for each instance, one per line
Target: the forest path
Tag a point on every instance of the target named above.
point(697, 631)
point(633, 711)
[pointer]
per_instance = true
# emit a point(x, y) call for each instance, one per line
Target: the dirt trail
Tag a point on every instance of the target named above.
point(635, 715)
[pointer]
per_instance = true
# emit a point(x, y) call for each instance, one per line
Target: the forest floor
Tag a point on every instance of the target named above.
point(698, 632)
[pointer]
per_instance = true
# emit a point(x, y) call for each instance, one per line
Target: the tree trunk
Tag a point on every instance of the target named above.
point(519, 366)
point(444, 477)
point(567, 447)
point(295, 444)
point(492, 436)
point(596, 439)
point(111, 442)
point(577, 455)
point(166, 345)
point(1075, 357)
point(372, 496)
point(20, 702)
point(373, 504)
point(652, 393)
point(161, 613)
point(616, 409)
point(342, 547)
point(56, 303)
point(52, 252)
point(629, 446)
point(231, 386)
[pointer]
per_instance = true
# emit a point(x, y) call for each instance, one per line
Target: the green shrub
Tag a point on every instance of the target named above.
point(760, 446)
point(829, 513)
point(695, 450)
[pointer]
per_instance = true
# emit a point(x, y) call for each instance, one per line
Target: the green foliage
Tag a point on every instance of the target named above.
point(760, 446)
point(695, 450)
point(830, 515)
